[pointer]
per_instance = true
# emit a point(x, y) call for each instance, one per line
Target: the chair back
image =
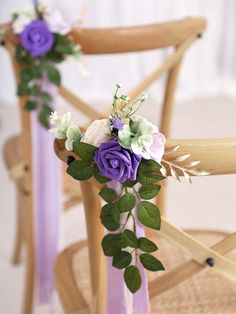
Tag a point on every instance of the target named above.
point(179, 35)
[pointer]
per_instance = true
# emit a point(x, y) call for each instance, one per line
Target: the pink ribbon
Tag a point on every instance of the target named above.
point(116, 301)
point(47, 202)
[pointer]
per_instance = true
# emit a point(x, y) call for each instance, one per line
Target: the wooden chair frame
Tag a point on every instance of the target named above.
point(179, 34)
point(218, 157)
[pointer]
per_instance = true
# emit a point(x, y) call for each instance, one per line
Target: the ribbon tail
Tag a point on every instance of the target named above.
point(141, 297)
point(47, 204)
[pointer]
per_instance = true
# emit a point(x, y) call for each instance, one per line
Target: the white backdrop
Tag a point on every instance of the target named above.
point(210, 66)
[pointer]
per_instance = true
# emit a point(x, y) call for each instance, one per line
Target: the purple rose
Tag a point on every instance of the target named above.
point(116, 162)
point(36, 38)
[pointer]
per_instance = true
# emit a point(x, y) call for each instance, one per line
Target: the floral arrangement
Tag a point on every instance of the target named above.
point(128, 150)
point(42, 45)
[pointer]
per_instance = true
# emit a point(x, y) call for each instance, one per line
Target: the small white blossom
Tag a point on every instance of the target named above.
point(97, 133)
point(65, 129)
point(56, 23)
point(21, 22)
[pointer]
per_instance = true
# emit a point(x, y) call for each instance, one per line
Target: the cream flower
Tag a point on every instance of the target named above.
point(97, 133)
point(20, 22)
point(65, 129)
point(56, 23)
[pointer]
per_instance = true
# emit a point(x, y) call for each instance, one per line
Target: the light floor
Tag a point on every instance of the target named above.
point(207, 203)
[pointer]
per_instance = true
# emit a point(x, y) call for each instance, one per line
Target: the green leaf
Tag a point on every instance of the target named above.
point(63, 45)
point(28, 74)
point(43, 115)
point(130, 238)
point(108, 195)
point(34, 91)
point(149, 215)
point(84, 150)
point(101, 179)
point(121, 259)
point(54, 75)
point(147, 192)
point(144, 180)
point(45, 97)
point(150, 262)
point(110, 216)
point(110, 244)
point(22, 89)
point(55, 57)
point(129, 184)
point(30, 105)
point(127, 202)
point(121, 242)
point(132, 278)
point(80, 169)
point(148, 166)
point(22, 55)
point(147, 245)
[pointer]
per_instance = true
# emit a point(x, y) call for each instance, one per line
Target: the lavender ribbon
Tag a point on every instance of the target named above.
point(47, 202)
point(116, 298)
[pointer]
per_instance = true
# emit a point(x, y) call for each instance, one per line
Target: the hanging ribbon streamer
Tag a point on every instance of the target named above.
point(47, 201)
point(118, 299)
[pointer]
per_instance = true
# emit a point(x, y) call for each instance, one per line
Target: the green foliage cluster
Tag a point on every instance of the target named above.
point(121, 243)
point(34, 69)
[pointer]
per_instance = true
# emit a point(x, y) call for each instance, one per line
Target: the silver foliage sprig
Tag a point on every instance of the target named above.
point(175, 165)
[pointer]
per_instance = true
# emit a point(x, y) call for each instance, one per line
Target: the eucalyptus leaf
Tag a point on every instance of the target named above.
point(129, 183)
point(132, 278)
point(43, 115)
point(150, 262)
point(54, 75)
point(22, 55)
point(121, 259)
point(46, 97)
point(110, 216)
point(127, 202)
point(80, 169)
point(149, 191)
point(101, 179)
point(22, 89)
point(149, 215)
point(108, 195)
point(30, 105)
point(110, 244)
point(28, 74)
point(147, 245)
point(148, 166)
point(84, 150)
point(130, 238)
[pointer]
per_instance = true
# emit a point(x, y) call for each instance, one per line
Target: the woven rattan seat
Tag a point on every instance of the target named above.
point(204, 293)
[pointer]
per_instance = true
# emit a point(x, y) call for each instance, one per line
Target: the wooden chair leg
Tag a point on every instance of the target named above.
point(18, 245)
point(30, 265)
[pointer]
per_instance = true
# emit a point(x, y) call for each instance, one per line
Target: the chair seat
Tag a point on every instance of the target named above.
point(204, 293)
point(13, 155)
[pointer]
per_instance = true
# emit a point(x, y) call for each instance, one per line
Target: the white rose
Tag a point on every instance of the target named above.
point(97, 133)
point(56, 23)
point(20, 23)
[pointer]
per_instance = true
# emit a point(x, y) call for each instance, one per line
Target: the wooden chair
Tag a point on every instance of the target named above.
point(179, 35)
point(199, 278)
